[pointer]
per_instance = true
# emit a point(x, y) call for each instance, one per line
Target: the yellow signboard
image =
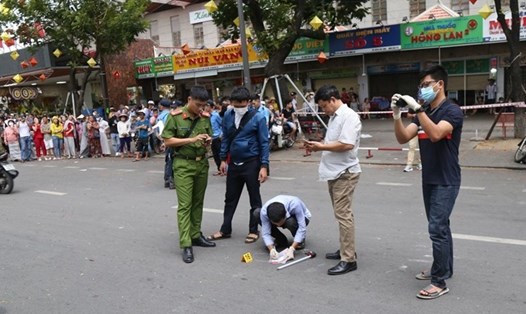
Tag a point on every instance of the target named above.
point(216, 58)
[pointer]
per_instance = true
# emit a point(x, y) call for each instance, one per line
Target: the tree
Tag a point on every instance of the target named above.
point(277, 24)
point(511, 29)
point(79, 28)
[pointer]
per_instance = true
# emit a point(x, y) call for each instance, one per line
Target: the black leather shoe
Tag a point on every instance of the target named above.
point(171, 186)
point(342, 268)
point(166, 184)
point(188, 255)
point(202, 241)
point(335, 255)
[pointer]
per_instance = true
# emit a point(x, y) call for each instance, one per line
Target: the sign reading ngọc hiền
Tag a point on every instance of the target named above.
point(442, 32)
point(163, 66)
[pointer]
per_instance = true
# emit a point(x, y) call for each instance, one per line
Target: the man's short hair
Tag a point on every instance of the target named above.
point(326, 92)
point(240, 93)
point(199, 93)
point(276, 212)
point(437, 72)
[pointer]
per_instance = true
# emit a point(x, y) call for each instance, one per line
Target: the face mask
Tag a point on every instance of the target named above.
point(427, 94)
point(240, 111)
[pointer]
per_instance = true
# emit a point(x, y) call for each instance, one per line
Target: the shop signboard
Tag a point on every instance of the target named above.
point(144, 69)
point(212, 59)
point(359, 41)
point(493, 30)
point(331, 74)
point(393, 68)
point(200, 16)
point(442, 32)
point(454, 67)
point(308, 49)
point(472, 66)
point(163, 66)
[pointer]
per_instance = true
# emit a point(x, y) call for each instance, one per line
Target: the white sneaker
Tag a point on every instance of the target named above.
point(419, 167)
point(408, 169)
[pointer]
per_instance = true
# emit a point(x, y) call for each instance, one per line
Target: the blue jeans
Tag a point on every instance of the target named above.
point(115, 142)
point(25, 148)
point(439, 201)
point(57, 144)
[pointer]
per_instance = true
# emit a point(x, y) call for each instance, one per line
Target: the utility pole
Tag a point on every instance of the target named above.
point(244, 49)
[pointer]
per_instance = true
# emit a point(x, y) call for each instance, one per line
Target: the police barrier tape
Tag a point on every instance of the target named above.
point(369, 149)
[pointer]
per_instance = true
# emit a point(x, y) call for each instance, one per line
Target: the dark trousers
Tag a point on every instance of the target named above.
point(237, 177)
point(216, 149)
point(280, 240)
point(168, 163)
point(439, 201)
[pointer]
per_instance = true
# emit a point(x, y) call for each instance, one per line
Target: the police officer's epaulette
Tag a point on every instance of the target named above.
point(205, 114)
point(176, 112)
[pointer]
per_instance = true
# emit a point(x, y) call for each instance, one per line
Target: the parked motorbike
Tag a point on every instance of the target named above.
point(8, 173)
point(520, 154)
point(280, 135)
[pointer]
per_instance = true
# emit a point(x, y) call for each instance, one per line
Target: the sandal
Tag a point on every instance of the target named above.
point(252, 237)
point(218, 236)
point(432, 292)
point(424, 275)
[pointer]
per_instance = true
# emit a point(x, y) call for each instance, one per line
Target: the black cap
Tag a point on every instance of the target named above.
point(165, 102)
point(175, 104)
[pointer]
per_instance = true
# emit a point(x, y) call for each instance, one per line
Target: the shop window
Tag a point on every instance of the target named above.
point(379, 10)
point(416, 7)
point(154, 32)
point(176, 31)
point(199, 37)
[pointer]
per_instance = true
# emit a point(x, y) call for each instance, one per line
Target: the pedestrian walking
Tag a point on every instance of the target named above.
point(340, 167)
point(188, 131)
point(438, 124)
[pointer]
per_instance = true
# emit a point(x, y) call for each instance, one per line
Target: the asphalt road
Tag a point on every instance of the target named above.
point(100, 236)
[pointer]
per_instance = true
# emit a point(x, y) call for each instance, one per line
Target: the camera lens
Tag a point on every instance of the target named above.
point(401, 103)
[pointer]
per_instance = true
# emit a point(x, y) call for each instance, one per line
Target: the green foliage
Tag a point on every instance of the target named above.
point(106, 26)
point(278, 23)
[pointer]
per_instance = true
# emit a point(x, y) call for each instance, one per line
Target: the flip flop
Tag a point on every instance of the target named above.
point(424, 275)
point(432, 295)
point(252, 237)
point(218, 236)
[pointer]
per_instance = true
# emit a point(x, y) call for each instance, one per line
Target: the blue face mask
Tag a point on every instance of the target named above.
point(427, 94)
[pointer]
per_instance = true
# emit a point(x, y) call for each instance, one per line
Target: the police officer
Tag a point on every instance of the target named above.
point(188, 131)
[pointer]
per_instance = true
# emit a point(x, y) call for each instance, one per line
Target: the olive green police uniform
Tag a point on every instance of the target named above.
point(190, 168)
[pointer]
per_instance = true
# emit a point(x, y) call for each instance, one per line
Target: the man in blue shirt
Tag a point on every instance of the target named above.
point(164, 112)
point(261, 108)
point(217, 134)
point(142, 125)
point(245, 143)
point(287, 212)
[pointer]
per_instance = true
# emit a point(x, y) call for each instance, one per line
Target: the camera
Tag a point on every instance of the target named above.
point(401, 103)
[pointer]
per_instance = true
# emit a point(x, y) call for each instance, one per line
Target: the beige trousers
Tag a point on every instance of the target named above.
point(413, 157)
point(341, 191)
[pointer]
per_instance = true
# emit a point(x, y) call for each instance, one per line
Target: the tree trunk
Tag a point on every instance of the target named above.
point(275, 67)
point(517, 92)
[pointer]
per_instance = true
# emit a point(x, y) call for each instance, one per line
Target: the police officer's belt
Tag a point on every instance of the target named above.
point(196, 158)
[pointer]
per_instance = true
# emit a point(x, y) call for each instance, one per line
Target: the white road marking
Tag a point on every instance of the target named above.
point(488, 239)
point(49, 166)
point(71, 167)
point(125, 170)
point(50, 193)
point(473, 188)
point(524, 190)
point(97, 168)
point(208, 210)
point(282, 178)
point(156, 171)
point(393, 184)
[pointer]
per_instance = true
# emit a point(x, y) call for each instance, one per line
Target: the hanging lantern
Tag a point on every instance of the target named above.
point(211, 6)
point(322, 57)
point(10, 42)
point(3, 9)
point(57, 53)
point(24, 64)
point(14, 55)
point(116, 74)
point(485, 11)
point(5, 36)
point(33, 61)
point(186, 49)
point(18, 78)
point(248, 33)
point(40, 30)
point(42, 77)
point(316, 23)
point(236, 21)
point(91, 62)
point(473, 1)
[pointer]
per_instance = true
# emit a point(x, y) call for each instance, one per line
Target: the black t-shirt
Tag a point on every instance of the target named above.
point(288, 113)
point(440, 159)
point(113, 124)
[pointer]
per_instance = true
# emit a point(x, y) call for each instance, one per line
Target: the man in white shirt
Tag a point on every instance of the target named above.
point(341, 168)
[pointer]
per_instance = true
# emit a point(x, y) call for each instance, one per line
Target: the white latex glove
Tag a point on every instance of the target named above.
point(274, 254)
point(290, 253)
point(411, 103)
point(396, 110)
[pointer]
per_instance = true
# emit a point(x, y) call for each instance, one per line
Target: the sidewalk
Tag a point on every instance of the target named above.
point(496, 152)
